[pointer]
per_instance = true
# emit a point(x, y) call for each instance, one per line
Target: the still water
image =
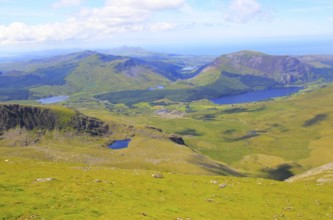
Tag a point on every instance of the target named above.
point(119, 144)
point(255, 96)
point(53, 99)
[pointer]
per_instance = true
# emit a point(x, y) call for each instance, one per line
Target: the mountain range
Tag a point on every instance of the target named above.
point(58, 162)
point(107, 76)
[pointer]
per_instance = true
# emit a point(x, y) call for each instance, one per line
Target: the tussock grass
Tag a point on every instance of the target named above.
point(46, 190)
point(295, 130)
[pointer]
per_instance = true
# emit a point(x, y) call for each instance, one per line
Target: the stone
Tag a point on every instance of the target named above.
point(157, 175)
point(222, 185)
point(47, 179)
point(214, 182)
point(177, 140)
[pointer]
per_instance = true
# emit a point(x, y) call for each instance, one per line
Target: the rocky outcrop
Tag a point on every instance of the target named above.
point(178, 140)
point(128, 64)
point(85, 124)
point(12, 116)
point(283, 69)
point(33, 118)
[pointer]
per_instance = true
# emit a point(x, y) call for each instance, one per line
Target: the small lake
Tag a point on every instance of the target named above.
point(120, 144)
point(156, 88)
point(53, 99)
point(256, 96)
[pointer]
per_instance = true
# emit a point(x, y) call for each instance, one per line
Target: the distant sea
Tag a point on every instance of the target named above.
point(295, 47)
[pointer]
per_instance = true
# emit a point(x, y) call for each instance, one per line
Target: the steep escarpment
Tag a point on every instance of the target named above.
point(85, 124)
point(30, 118)
point(285, 70)
point(12, 116)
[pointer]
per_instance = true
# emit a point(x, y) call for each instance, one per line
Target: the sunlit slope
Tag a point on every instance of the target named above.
point(228, 74)
point(266, 68)
point(273, 139)
point(60, 134)
point(320, 175)
point(101, 73)
point(86, 72)
point(37, 190)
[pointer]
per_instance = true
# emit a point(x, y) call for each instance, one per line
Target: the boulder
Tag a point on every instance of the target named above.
point(177, 140)
point(157, 175)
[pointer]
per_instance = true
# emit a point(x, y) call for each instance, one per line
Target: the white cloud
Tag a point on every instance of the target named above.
point(159, 27)
point(67, 3)
point(147, 4)
point(242, 11)
point(94, 23)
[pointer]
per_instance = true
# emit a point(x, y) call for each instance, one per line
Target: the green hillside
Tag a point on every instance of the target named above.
point(60, 174)
point(230, 74)
point(49, 190)
point(54, 166)
point(274, 139)
point(93, 75)
point(282, 69)
point(84, 73)
point(118, 79)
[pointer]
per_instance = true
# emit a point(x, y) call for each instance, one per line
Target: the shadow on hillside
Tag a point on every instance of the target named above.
point(280, 173)
point(215, 168)
point(189, 131)
point(315, 120)
point(240, 110)
point(220, 169)
point(248, 135)
point(206, 117)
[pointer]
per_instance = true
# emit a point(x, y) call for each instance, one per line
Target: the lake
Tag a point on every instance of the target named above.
point(53, 99)
point(256, 96)
point(156, 88)
point(120, 144)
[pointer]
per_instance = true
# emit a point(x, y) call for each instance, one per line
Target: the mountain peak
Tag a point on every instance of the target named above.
point(86, 53)
point(282, 69)
point(245, 53)
point(131, 51)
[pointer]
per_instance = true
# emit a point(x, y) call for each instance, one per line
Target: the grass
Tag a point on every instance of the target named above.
point(90, 181)
point(77, 191)
point(295, 130)
point(149, 149)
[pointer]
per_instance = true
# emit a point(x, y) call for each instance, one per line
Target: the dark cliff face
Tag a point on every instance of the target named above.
point(165, 69)
point(177, 140)
point(283, 69)
point(30, 118)
point(89, 125)
point(12, 116)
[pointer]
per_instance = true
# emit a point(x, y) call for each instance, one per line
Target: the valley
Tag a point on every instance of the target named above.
point(266, 159)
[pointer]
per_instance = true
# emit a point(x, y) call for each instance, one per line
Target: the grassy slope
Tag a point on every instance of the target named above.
point(90, 184)
point(255, 138)
point(148, 149)
point(94, 75)
point(283, 129)
point(81, 192)
point(319, 175)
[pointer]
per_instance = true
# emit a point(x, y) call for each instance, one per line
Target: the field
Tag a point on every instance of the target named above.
point(32, 189)
point(273, 139)
point(228, 169)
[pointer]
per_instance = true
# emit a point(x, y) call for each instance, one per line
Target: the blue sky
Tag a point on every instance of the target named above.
point(183, 26)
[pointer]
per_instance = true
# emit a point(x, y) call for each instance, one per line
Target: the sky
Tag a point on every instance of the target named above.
point(179, 26)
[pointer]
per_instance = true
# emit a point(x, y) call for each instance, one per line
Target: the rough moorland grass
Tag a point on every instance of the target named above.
point(294, 130)
point(47, 190)
point(148, 149)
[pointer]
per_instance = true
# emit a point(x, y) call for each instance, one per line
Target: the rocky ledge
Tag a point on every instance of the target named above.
point(37, 118)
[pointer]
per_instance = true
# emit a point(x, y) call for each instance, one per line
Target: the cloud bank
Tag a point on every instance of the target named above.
point(93, 23)
point(243, 11)
point(67, 3)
